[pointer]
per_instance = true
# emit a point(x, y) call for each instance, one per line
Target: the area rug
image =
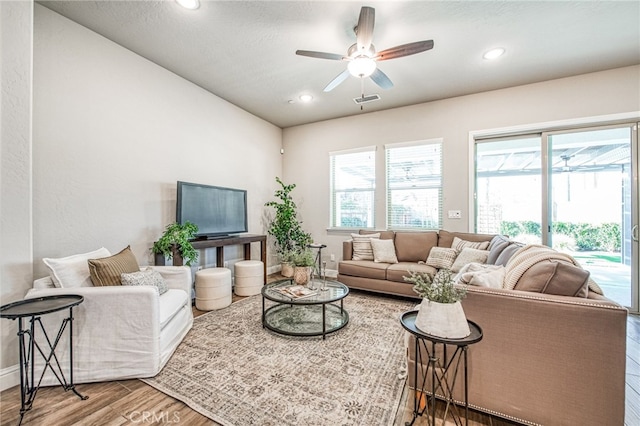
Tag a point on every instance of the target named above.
point(233, 371)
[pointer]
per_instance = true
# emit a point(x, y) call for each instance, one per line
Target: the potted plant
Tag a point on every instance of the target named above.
point(302, 262)
point(177, 237)
point(440, 313)
point(285, 227)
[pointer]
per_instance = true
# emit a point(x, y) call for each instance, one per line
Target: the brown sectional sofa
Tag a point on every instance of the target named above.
point(544, 359)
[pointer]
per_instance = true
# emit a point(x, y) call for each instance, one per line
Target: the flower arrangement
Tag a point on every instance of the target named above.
point(439, 288)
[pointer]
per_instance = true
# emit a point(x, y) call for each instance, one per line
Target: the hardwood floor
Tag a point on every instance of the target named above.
point(132, 402)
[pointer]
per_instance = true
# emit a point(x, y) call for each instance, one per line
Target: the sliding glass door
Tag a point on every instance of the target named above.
point(576, 191)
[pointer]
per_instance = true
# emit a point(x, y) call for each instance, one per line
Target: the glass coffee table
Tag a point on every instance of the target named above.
point(317, 314)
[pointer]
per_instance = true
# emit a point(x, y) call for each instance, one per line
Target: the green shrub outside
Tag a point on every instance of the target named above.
point(588, 237)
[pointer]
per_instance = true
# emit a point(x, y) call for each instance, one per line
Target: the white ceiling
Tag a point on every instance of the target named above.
point(244, 51)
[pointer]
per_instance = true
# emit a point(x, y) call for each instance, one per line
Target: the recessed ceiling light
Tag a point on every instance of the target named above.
point(306, 98)
point(189, 4)
point(494, 53)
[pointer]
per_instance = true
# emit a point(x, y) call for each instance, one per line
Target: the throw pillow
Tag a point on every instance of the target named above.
point(553, 277)
point(459, 244)
point(441, 257)
point(507, 253)
point(147, 277)
point(73, 271)
point(362, 246)
point(469, 255)
point(384, 251)
point(497, 244)
point(106, 271)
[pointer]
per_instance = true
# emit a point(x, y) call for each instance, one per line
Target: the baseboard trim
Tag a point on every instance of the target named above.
point(9, 377)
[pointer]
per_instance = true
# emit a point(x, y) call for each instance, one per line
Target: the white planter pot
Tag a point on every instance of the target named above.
point(442, 319)
point(287, 269)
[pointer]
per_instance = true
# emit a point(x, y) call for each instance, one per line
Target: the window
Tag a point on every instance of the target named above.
point(352, 188)
point(414, 185)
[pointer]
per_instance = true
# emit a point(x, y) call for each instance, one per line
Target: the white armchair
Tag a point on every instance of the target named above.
point(120, 332)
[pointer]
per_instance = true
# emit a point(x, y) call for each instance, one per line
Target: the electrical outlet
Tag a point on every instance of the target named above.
point(199, 268)
point(226, 264)
point(455, 214)
point(333, 257)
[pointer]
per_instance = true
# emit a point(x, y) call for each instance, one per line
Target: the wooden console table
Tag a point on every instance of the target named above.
point(219, 243)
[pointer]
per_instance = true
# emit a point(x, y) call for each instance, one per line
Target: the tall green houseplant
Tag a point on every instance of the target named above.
point(285, 228)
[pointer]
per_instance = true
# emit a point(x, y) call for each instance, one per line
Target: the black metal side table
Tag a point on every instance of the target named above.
point(33, 309)
point(439, 369)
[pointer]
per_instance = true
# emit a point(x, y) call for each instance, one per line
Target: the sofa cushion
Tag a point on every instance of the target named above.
point(414, 246)
point(497, 244)
point(73, 271)
point(362, 249)
point(442, 257)
point(459, 244)
point(469, 255)
point(398, 271)
point(363, 268)
point(383, 251)
point(148, 277)
point(106, 271)
point(445, 238)
point(553, 277)
point(170, 304)
point(384, 235)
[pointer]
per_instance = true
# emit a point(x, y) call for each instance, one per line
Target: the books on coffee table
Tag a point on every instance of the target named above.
point(297, 291)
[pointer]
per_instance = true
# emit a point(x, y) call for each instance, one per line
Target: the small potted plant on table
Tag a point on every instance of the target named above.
point(302, 261)
point(440, 313)
point(177, 239)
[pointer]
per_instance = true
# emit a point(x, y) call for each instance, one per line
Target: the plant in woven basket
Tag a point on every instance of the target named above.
point(438, 288)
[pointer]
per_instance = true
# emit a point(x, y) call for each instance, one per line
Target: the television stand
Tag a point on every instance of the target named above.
point(218, 244)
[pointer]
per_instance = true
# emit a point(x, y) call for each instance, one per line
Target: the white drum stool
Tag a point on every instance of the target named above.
point(213, 288)
point(249, 277)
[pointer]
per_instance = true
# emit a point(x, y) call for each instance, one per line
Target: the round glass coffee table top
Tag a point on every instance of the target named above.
point(314, 314)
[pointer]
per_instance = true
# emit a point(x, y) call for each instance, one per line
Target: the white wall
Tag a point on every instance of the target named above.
point(112, 134)
point(306, 161)
point(16, 28)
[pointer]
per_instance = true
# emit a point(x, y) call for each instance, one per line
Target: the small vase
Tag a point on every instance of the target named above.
point(287, 270)
point(442, 319)
point(301, 274)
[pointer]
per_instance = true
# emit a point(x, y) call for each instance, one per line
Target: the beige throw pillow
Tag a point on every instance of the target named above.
point(107, 271)
point(384, 251)
point(362, 246)
point(459, 244)
point(469, 255)
point(441, 257)
point(146, 277)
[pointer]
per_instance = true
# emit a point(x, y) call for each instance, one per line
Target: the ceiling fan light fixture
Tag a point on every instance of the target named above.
point(494, 53)
point(189, 4)
point(362, 67)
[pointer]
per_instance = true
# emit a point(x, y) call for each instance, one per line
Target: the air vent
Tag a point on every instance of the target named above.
point(366, 99)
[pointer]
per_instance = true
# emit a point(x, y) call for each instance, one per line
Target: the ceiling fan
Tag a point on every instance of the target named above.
point(362, 55)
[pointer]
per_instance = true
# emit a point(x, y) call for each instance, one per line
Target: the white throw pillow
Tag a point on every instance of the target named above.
point(469, 255)
point(73, 271)
point(384, 251)
point(441, 257)
point(146, 277)
point(362, 246)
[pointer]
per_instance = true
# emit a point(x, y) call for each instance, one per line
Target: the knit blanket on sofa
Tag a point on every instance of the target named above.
point(529, 255)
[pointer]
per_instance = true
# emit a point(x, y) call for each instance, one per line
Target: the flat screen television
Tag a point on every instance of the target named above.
point(217, 211)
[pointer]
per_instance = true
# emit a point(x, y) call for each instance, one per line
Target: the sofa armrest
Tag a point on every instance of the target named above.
point(108, 326)
point(347, 250)
point(177, 277)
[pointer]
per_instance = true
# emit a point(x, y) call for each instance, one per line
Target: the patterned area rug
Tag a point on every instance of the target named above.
point(235, 372)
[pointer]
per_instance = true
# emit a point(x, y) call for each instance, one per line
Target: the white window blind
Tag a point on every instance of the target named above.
point(414, 185)
point(352, 188)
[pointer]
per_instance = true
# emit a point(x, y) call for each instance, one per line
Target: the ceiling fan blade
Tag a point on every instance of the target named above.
point(364, 35)
point(321, 55)
point(404, 50)
point(381, 79)
point(336, 81)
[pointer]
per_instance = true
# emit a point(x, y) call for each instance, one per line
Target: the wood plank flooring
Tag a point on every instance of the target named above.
point(132, 402)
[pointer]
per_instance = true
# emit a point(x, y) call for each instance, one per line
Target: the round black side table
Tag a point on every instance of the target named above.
point(33, 309)
point(439, 368)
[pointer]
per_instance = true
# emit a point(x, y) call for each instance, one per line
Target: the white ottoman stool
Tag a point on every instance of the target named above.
point(213, 288)
point(249, 277)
